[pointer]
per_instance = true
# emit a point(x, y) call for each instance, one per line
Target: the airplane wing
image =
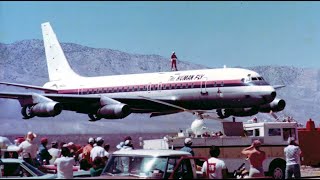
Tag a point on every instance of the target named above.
point(29, 87)
point(91, 103)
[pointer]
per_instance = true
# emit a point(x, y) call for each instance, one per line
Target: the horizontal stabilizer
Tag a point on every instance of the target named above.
point(278, 86)
point(29, 87)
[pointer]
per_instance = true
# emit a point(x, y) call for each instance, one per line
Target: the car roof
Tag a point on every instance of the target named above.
point(11, 160)
point(152, 152)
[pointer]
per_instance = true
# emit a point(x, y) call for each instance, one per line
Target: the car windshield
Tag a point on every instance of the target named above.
point(156, 167)
point(33, 169)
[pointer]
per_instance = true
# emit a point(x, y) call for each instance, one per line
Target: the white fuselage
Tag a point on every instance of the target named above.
point(197, 89)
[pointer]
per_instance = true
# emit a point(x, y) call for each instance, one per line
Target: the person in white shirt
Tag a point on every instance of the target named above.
point(98, 150)
point(54, 151)
point(65, 164)
point(292, 153)
point(217, 167)
point(28, 150)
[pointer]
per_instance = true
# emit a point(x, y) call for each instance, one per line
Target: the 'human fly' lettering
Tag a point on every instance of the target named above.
point(186, 77)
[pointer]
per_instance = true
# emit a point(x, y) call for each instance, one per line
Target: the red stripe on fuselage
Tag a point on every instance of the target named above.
point(144, 87)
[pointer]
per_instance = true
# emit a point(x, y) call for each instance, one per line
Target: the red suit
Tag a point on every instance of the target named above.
point(174, 62)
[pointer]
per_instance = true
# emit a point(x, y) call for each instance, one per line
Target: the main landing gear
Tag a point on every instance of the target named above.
point(94, 117)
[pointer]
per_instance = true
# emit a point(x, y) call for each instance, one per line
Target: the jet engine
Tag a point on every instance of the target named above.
point(46, 109)
point(275, 106)
point(114, 111)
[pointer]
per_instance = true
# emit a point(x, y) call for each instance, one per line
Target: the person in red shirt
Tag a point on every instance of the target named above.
point(256, 157)
point(174, 62)
point(87, 149)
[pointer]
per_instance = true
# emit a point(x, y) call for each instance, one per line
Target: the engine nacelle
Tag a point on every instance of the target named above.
point(114, 111)
point(276, 105)
point(46, 109)
point(239, 112)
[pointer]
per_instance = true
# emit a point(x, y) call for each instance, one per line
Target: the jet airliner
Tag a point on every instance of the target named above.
point(224, 91)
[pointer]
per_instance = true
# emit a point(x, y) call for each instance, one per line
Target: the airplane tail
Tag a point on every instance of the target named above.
point(58, 66)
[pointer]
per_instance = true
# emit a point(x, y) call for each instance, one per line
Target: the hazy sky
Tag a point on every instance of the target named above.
point(209, 33)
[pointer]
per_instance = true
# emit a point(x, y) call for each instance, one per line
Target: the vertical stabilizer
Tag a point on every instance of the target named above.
point(58, 66)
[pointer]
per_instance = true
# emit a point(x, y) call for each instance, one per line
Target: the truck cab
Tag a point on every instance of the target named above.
point(154, 164)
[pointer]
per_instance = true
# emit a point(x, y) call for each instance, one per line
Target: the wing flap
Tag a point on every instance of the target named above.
point(29, 87)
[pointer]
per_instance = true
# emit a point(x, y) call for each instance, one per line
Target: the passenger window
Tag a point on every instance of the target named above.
point(274, 132)
point(256, 132)
point(289, 132)
point(248, 132)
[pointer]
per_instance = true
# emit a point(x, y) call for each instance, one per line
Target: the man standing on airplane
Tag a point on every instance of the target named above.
point(174, 62)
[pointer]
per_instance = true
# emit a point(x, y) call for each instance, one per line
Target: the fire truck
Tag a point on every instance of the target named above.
point(235, 137)
point(308, 139)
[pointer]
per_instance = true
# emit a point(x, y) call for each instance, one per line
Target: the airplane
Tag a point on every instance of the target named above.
point(223, 91)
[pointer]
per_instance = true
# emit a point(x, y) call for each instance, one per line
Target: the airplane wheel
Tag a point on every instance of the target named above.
point(222, 113)
point(94, 117)
point(26, 112)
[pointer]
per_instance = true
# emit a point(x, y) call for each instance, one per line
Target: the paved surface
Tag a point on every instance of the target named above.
point(308, 172)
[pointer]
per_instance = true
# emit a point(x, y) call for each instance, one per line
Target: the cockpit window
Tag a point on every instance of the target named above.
point(256, 79)
point(250, 78)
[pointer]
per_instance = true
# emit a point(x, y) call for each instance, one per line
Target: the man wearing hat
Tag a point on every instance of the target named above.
point(292, 153)
point(187, 146)
point(44, 155)
point(28, 150)
point(87, 149)
point(98, 150)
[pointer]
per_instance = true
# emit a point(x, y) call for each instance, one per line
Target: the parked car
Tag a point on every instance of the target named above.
point(17, 168)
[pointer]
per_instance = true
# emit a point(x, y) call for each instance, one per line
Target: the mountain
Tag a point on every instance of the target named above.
point(24, 62)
